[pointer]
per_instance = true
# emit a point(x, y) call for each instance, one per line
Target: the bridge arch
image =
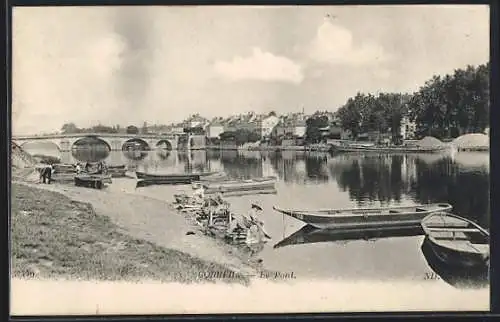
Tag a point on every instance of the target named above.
point(144, 146)
point(25, 144)
point(164, 142)
point(94, 138)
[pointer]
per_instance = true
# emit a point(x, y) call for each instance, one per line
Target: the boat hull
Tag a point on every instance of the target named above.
point(89, 181)
point(167, 178)
point(403, 217)
point(456, 258)
point(240, 186)
point(456, 241)
point(388, 150)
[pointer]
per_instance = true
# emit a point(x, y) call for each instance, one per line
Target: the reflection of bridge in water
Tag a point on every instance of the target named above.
point(117, 142)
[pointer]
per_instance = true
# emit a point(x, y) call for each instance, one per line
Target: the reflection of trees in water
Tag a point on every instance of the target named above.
point(135, 155)
point(388, 178)
point(237, 166)
point(90, 155)
point(163, 154)
point(285, 165)
point(195, 161)
point(315, 168)
point(371, 178)
point(467, 191)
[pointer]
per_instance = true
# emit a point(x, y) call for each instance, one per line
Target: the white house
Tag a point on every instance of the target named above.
point(267, 125)
point(215, 129)
point(407, 129)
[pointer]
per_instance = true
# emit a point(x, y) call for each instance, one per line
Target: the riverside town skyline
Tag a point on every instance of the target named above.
point(230, 159)
point(128, 72)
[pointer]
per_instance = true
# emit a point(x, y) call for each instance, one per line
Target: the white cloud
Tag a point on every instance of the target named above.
point(261, 66)
point(335, 45)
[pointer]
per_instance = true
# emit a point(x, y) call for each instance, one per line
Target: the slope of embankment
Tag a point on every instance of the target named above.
point(56, 236)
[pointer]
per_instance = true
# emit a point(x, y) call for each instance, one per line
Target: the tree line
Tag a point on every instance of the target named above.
point(444, 107)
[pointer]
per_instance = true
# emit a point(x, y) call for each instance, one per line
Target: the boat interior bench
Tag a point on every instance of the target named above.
point(446, 235)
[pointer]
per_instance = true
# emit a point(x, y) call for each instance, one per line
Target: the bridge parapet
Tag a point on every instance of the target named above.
point(115, 141)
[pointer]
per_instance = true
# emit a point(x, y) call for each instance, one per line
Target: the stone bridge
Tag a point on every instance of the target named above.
point(115, 141)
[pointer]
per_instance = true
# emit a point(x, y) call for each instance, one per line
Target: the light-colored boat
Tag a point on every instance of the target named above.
point(400, 216)
point(456, 240)
point(388, 149)
point(229, 186)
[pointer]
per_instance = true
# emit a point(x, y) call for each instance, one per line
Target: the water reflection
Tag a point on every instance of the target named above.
point(90, 155)
point(310, 235)
point(461, 180)
point(135, 155)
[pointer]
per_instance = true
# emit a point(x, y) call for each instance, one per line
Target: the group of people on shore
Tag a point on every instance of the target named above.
point(251, 221)
point(86, 167)
point(47, 170)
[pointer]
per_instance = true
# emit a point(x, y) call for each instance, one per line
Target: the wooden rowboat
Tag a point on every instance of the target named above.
point(185, 177)
point(266, 183)
point(401, 216)
point(456, 240)
point(457, 276)
point(311, 235)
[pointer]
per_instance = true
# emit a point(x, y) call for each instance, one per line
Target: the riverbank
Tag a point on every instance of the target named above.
point(54, 236)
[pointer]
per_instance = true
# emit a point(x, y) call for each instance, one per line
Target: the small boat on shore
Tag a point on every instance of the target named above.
point(400, 216)
point(230, 186)
point(456, 240)
point(91, 181)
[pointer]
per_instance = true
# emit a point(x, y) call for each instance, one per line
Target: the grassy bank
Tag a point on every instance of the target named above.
point(55, 237)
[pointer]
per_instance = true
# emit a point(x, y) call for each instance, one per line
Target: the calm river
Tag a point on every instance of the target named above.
point(331, 181)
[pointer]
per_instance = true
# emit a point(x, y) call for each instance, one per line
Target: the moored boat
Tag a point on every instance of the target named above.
point(399, 216)
point(388, 149)
point(173, 176)
point(456, 240)
point(265, 183)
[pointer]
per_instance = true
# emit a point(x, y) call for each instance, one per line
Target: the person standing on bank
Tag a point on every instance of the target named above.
point(50, 172)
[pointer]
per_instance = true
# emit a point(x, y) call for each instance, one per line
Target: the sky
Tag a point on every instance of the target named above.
point(129, 65)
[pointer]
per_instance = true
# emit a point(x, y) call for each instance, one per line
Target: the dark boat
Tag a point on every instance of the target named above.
point(310, 235)
point(459, 277)
point(173, 176)
point(456, 240)
point(90, 181)
point(400, 216)
point(117, 167)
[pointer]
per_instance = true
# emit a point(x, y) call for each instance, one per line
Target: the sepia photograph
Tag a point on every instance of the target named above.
point(250, 159)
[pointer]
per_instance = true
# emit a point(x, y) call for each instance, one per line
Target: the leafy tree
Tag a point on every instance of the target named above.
point(452, 105)
point(70, 128)
point(313, 126)
point(132, 129)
